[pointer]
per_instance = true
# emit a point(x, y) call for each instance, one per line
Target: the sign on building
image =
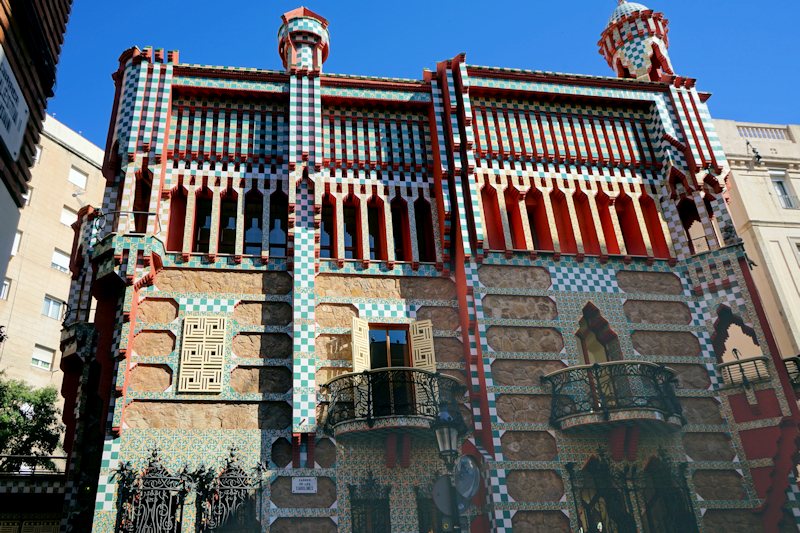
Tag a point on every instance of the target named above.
point(304, 485)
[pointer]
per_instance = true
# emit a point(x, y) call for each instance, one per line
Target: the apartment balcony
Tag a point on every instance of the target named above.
point(793, 369)
point(744, 372)
point(602, 395)
point(385, 398)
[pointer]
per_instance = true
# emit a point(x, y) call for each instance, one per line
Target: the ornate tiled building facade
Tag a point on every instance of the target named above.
point(296, 273)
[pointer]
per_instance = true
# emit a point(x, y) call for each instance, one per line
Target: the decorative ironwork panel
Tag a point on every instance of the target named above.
point(229, 502)
point(202, 354)
point(613, 386)
point(369, 507)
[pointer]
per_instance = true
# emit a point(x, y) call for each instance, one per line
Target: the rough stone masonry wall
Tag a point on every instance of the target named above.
point(531, 314)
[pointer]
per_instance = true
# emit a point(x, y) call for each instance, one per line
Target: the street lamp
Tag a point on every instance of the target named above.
point(449, 427)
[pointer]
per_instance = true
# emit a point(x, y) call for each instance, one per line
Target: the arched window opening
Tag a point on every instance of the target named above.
point(601, 505)
point(253, 223)
point(603, 203)
point(666, 499)
point(400, 229)
point(695, 232)
point(424, 224)
point(652, 220)
point(733, 339)
point(622, 70)
point(515, 219)
point(278, 223)
point(566, 237)
point(227, 222)
point(629, 226)
point(492, 223)
point(141, 200)
point(658, 65)
point(201, 235)
point(377, 229)
point(583, 210)
point(327, 228)
point(537, 220)
point(598, 341)
point(708, 200)
point(352, 228)
point(177, 219)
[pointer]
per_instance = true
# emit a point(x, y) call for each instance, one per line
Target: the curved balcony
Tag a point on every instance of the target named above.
point(744, 372)
point(388, 398)
point(617, 392)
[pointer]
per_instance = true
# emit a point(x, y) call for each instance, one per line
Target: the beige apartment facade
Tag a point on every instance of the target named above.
point(66, 176)
point(764, 204)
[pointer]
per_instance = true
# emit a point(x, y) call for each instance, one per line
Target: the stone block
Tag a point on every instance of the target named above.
point(150, 378)
point(324, 375)
point(528, 446)
point(448, 349)
point(515, 339)
point(519, 307)
point(154, 343)
point(691, 376)
point(303, 525)
point(514, 277)
point(335, 315)
point(534, 485)
point(649, 282)
point(708, 446)
point(219, 281)
point(718, 485)
point(281, 494)
point(281, 452)
point(666, 343)
point(265, 380)
point(384, 287)
point(157, 311)
point(263, 313)
point(524, 373)
point(206, 415)
point(443, 318)
point(701, 411)
point(325, 453)
point(656, 312)
point(523, 408)
point(262, 345)
point(538, 521)
point(334, 347)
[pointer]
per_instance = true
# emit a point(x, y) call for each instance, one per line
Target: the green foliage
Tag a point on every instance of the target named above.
point(29, 424)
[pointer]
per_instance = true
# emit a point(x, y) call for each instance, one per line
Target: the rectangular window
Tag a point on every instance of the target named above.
point(60, 260)
point(78, 177)
point(15, 246)
point(52, 307)
point(42, 357)
point(68, 216)
point(5, 289)
point(786, 197)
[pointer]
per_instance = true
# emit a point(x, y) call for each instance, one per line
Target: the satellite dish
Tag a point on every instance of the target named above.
point(467, 477)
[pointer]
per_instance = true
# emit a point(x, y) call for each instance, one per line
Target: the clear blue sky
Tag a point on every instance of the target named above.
point(743, 53)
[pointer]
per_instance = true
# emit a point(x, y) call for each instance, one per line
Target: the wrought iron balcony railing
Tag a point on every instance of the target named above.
point(793, 368)
point(32, 465)
point(397, 392)
point(611, 392)
point(127, 223)
point(744, 371)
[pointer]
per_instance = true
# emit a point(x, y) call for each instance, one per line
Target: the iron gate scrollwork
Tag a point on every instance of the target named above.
point(230, 501)
point(151, 502)
point(621, 498)
point(369, 507)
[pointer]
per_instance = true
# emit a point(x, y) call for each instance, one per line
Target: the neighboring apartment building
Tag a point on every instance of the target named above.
point(31, 33)
point(319, 286)
point(35, 289)
point(764, 187)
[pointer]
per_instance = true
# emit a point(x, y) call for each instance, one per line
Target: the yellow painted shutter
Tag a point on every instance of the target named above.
point(425, 391)
point(360, 345)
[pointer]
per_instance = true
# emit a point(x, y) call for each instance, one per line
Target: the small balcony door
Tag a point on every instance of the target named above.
point(392, 393)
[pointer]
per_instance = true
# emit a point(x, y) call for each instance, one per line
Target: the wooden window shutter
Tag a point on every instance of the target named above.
point(422, 357)
point(360, 345)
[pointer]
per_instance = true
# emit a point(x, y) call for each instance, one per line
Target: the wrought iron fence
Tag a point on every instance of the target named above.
point(744, 371)
point(397, 391)
point(126, 223)
point(78, 314)
point(612, 386)
point(32, 465)
point(793, 368)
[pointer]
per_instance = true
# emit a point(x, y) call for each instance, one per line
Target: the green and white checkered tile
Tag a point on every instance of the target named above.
point(106, 487)
point(579, 279)
point(207, 305)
